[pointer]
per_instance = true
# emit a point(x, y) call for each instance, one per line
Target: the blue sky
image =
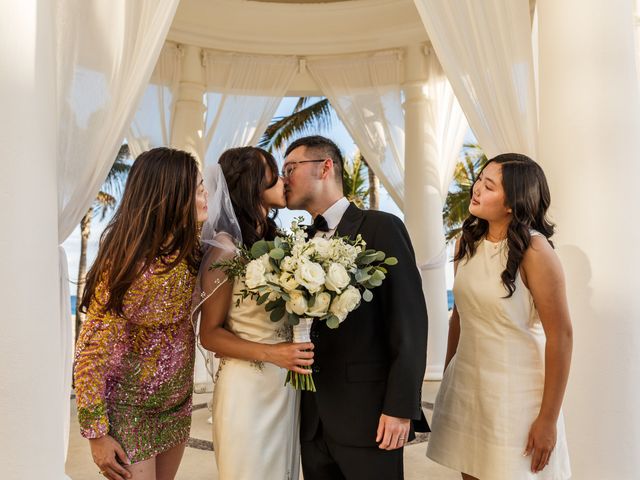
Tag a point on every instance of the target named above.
point(337, 133)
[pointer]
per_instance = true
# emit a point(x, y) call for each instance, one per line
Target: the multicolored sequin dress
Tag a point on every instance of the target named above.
point(134, 376)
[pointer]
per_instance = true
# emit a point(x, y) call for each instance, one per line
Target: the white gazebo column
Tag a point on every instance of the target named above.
point(589, 144)
point(186, 134)
point(30, 360)
point(423, 208)
point(188, 123)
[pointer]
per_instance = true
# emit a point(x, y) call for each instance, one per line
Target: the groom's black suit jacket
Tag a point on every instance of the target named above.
point(374, 362)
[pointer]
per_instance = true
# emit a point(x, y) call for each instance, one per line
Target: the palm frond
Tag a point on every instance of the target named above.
point(301, 103)
point(103, 204)
point(116, 178)
point(355, 186)
point(303, 119)
point(456, 207)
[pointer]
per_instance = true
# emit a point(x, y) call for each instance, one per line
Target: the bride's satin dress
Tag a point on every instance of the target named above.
point(255, 416)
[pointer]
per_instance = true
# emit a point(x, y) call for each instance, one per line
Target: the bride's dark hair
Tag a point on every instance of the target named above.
point(249, 171)
point(527, 194)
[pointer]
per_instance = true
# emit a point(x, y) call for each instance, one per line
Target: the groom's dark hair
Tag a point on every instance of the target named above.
point(323, 147)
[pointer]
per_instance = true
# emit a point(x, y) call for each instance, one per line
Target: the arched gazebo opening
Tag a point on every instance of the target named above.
point(78, 71)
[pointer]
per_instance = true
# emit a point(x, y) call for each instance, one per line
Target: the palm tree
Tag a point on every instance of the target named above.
point(305, 118)
point(456, 206)
point(105, 202)
point(354, 181)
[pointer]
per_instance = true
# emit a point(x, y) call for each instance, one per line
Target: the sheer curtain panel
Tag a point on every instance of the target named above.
point(106, 52)
point(243, 94)
point(485, 50)
point(153, 121)
point(365, 92)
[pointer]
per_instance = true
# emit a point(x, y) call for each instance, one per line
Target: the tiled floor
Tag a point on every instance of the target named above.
point(199, 464)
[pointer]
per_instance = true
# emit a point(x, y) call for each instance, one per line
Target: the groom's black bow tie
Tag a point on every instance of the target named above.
point(319, 225)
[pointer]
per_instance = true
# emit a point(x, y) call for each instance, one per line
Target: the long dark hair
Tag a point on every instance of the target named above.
point(245, 170)
point(527, 194)
point(157, 218)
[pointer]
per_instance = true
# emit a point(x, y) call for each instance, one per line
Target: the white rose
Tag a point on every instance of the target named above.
point(337, 310)
point(310, 275)
point(288, 282)
point(322, 246)
point(321, 305)
point(337, 277)
point(351, 298)
point(297, 303)
point(255, 275)
point(345, 303)
point(265, 261)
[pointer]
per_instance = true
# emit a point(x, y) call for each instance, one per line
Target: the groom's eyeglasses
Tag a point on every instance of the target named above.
point(288, 169)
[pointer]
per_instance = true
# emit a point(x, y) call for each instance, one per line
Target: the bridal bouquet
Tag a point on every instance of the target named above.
point(302, 280)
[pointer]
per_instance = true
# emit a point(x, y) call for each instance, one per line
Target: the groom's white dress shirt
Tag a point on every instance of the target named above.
point(333, 215)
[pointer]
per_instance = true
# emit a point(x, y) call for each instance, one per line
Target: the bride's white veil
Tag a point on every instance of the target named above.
point(220, 238)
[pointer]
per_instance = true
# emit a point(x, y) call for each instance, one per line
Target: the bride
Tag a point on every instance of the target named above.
point(255, 417)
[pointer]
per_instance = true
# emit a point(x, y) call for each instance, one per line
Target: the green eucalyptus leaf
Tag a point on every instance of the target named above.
point(274, 304)
point(262, 298)
point(391, 261)
point(259, 248)
point(367, 296)
point(333, 321)
point(277, 254)
point(277, 313)
point(378, 275)
point(293, 319)
point(367, 259)
point(362, 275)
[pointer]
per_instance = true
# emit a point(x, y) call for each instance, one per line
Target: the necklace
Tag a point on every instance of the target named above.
point(499, 240)
point(495, 244)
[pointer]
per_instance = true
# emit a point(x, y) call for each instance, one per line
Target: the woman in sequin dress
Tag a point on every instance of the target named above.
point(255, 416)
point(134, 357)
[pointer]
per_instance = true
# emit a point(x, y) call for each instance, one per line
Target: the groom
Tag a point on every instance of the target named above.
point(369, 371)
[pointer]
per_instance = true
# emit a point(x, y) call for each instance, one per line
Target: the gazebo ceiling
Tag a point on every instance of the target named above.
point(301, 1)
point(309, 28)
point(299, 27)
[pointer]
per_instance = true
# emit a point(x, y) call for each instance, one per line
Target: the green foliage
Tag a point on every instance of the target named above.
point(354, 175)
point(113, 185)
point(304, 119)
point(456, 207)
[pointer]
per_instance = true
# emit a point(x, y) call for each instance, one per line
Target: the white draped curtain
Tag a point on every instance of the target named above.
point(365, 91)
point(243, 94)
point(446, 124)
point(435, 129)
point(153, 121)
point(106, 52)
point(636, 22)
point(485, 50)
